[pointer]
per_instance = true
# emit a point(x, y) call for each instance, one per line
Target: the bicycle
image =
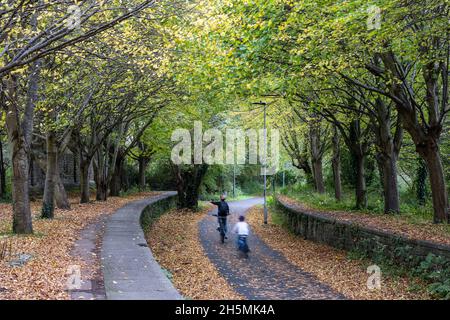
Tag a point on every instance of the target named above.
point(221, 228)
point(243, 246)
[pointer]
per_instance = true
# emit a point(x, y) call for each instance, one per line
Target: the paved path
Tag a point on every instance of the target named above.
point(266, 274)
point(87, 247)
point(129, 268)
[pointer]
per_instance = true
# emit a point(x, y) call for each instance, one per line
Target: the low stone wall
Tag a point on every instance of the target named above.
point(350, 236)
point(154, 210)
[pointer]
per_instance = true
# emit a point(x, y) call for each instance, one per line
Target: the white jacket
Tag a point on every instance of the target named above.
point(241, 228)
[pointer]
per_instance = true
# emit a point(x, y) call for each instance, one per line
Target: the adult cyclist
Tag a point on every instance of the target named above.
point(223, 211)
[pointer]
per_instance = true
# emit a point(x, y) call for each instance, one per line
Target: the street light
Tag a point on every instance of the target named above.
point(234, 180)
point(265, 160)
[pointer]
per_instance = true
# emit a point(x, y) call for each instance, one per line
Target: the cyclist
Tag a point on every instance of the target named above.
point(242, 229)
point(222, 212)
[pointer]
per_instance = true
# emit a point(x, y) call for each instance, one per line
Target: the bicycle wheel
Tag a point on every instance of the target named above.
point(222, 230)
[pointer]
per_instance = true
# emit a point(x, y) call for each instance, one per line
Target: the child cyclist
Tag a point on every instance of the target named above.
point(242, 229)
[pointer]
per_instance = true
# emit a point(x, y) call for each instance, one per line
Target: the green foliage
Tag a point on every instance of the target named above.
point(159, 175)
point(8, 195)
point(436, 270)
point(409, 208)
point(219, 179)
point(277, 216)
point(306, 194)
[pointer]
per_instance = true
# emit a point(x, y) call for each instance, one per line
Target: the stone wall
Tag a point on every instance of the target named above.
point(153, 211)
point(350, 236)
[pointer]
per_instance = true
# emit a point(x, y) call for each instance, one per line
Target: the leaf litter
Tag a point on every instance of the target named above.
point(44, 275)
point(333, 266)
point(175, 243)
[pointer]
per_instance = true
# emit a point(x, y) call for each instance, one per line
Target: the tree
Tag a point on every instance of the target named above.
point(29, 32)
point(318, 138)
point(336, 164)
point(296, 149)
point(2, 169)
point(189, 178)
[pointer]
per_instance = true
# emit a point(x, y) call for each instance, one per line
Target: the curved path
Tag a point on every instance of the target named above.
point(266, 274)
point(129, 269)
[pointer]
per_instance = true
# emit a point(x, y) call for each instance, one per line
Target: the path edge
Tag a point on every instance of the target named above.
point(130, 271)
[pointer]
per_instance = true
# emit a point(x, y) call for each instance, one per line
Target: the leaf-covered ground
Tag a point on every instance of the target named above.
point(44, 275)
point(330, 265)
point(390, 223)
point(174, 241)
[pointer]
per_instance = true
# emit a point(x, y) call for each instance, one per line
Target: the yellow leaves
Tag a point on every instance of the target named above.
point(329, 265)
point(20, 71)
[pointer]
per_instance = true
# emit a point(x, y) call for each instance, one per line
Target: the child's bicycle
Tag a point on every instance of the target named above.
point(243, 246)
point(221, 228)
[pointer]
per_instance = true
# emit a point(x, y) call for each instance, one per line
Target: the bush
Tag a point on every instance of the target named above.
point(436, 271)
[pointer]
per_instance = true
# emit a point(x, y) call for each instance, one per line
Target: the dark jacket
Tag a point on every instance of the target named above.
point(222, 208)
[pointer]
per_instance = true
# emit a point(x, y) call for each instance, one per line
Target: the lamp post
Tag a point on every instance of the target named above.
point(234, 180)
point(264, 104)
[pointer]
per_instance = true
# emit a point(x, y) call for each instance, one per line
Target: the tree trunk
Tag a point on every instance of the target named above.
point(102, 191)
point(336, 164)
point(84, 181)
point(387, 152)
point(390, 188)
point(318, 175)
point(142, 169)
point(106, 159)
point(22, 221)
point(101, 181)
point(425, 135)
point(421, 182)
point(48, 205)
point(189, 178)
point(75, 167)
point(61, 198)
point(358, 149)
point(438, 185)
point(124, 180)
point(115, 185)
point(361, 192)
point(316, 157)
point(2, 172)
